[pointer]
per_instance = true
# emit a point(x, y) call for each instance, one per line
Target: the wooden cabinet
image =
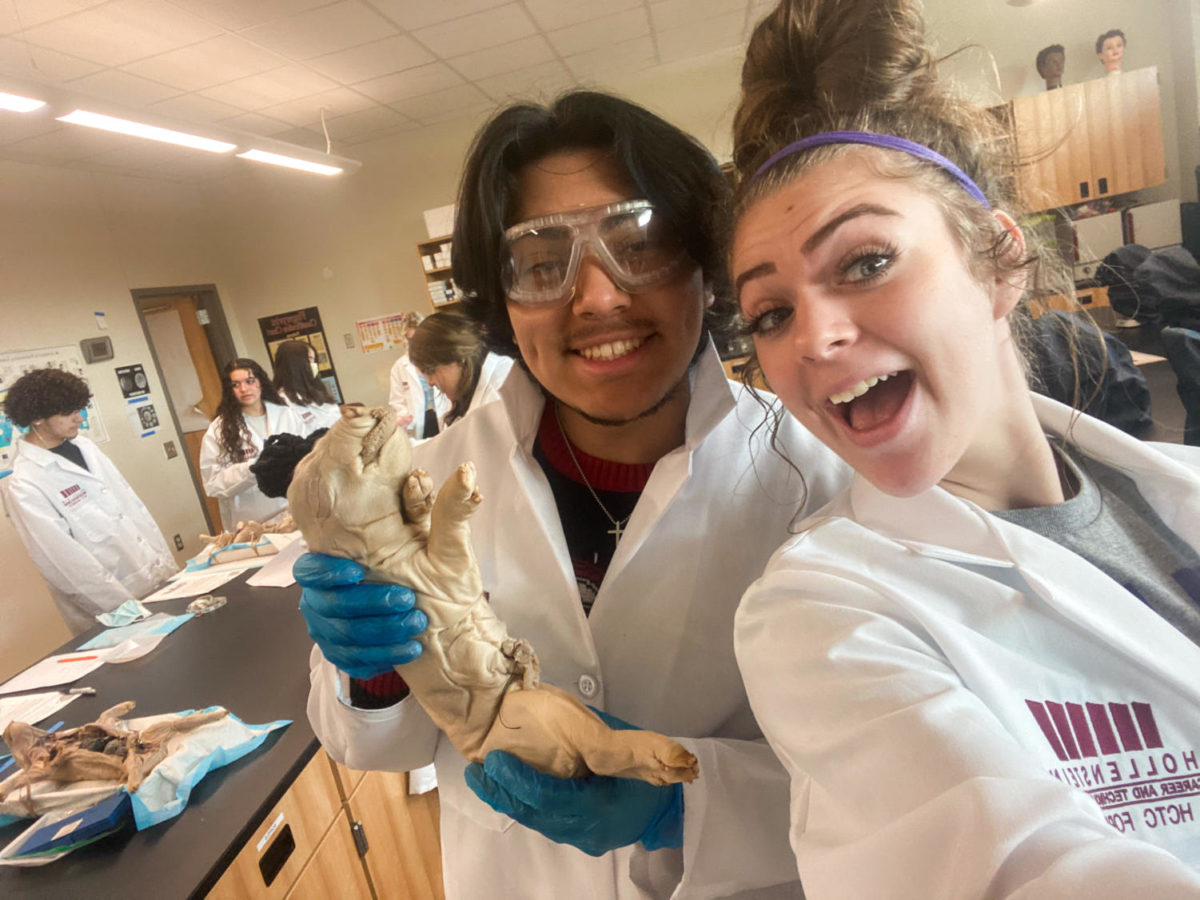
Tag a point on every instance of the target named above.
point(435, 263)
point(1090, 140)
point(308, 846)
point(404, 857)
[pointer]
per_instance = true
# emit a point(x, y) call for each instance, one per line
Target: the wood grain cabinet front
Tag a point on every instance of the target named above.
point(1090, 140)
point(281, 847)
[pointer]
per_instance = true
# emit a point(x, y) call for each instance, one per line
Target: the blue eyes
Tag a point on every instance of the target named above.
point(860, 268)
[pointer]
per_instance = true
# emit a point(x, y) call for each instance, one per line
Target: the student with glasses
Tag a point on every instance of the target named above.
point(250, 411)
point(628, 503)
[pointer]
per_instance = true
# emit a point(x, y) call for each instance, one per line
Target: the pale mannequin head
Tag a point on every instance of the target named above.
point(1110, 49)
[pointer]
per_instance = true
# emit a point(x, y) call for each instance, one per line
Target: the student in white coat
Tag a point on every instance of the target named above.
point(300, 389)
point(420, 407)
point(981, 663)
point(87, 532)
point(449, 351)
point(628, 503)
point(250, 410)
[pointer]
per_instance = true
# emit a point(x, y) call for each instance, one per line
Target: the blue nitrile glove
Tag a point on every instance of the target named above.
point(594, 814)
point(363, 629)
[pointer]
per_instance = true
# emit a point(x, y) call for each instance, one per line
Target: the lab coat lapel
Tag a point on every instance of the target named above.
point(938, 525)
point(711, 401)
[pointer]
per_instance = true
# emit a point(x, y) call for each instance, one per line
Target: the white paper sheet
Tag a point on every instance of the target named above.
point(193, 584)
point(55, 670)
point(278, 572)
point(32, 708)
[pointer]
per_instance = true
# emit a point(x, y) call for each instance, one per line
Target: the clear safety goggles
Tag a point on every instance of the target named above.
point(631, 241)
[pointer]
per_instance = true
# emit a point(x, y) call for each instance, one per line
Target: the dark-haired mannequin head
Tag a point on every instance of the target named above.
point(1051, 62)
point(1110, 49)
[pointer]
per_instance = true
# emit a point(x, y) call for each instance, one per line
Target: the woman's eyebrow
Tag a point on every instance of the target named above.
point(862, 209)
point(814, 241)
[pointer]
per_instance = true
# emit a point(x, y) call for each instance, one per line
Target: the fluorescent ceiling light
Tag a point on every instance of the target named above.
point(19, 104)
point(290, 162)
point(151, 132)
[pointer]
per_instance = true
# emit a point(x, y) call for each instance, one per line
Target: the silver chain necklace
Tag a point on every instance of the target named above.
point(618, 527)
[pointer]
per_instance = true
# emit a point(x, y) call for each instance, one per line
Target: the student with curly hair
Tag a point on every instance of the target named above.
point(978, 662)
point(87, 532)
point(299, 387)
point(250, 410)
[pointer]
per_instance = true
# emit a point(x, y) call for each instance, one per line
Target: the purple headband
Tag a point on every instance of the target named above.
point(887, 141)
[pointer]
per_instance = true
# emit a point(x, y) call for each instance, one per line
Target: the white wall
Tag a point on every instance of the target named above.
point(72, 244)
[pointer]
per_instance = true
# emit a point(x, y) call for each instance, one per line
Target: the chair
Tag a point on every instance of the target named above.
point(1183, 352)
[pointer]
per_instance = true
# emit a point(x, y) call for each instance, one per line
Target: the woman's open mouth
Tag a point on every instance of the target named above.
point(872, 402)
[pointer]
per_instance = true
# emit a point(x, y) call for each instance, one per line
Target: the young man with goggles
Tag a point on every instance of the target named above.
point(629, 504)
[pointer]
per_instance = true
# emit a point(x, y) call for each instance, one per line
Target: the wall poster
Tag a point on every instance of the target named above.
point(382, 333)
point(16, 363)
point(301, 325)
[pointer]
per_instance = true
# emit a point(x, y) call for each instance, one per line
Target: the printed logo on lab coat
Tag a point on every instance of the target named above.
point(73, 495)
point(1146, 785)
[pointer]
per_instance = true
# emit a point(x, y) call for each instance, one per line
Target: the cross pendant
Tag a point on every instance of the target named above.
point(616, 531)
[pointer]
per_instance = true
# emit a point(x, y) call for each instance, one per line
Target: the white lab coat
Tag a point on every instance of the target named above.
point(656, 651)
point(492, 374)
point(314, 416)
point(87, 532)
point(407, 397)
point(899, 653)
point(232, 483)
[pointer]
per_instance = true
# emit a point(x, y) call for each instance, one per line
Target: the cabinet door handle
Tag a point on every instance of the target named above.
point(1103, 186)
point(1083, 190)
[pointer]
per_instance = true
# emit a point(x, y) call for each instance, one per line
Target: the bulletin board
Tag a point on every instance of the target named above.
point(302, 325)
point(16, 363)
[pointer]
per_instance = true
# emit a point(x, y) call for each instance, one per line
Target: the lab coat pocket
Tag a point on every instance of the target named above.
point(457, 798)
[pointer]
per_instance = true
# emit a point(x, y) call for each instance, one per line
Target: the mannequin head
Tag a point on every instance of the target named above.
point(1051, 61)
point(1110, 49)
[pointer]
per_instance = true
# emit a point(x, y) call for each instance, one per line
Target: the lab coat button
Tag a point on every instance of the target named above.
point(587, 685)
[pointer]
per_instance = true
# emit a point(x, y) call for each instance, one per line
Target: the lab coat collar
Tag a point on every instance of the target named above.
point(936, 523)
point(44, 458)
point(711, 400)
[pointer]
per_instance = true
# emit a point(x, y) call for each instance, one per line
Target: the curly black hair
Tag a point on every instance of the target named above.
point(43, 393)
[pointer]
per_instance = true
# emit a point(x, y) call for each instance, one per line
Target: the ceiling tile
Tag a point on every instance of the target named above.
point(280, 85)
point(207, 63)
point(122, 31)
point(443, 105)
point(303, 137)
point(414, 14)
point(475, 32)
point(255, 123)
point(539, 82)
point(411, 83)
point(238, 14)
point(37, 64)
point(21, 126)
point(323, 30)
point(357, 125)
point(505, 58)
point(115, 86)
point(194, 108)
point(307, 110)
point(679, 13)
point(603, 32)
point(392, 54)
point(72, 142)
point(16, 15)
point(620, 59)
point(699, 38)
point(552, 14)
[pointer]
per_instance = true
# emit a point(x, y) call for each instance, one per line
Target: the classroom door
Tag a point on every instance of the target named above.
point(179, 329)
